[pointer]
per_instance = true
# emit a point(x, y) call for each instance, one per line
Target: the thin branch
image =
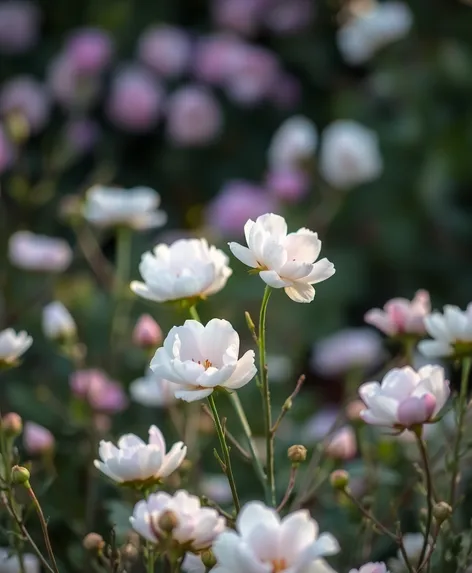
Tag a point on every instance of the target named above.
point(244, 453)
point(288, 404)
point(290, 486)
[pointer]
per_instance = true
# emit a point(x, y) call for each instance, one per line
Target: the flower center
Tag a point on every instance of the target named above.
point(206, 363)
point(278, 565)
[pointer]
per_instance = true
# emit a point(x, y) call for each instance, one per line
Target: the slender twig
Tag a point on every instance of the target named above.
point(432, 547)
point(210, 503)
point(370, 516)
point(265, 389)
point(92, 253)
point(429, 495)
point(246, 456)
point(288, 404)
point(290, 486)
point(225, 450)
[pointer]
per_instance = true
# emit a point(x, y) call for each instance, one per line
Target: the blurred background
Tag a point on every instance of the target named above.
point(350, 118)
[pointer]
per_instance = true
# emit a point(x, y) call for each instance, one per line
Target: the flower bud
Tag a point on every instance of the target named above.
point(130, 552)
point(296, 454)
point(58, 322)
point(147, 332)
point(12, 424)
point(442, 511)
point(208, 558)
point(20, 475)
point(167, 521)
point(339, 479)
point(93, 542)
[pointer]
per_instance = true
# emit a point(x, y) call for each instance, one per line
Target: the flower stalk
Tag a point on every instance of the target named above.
point(429, 494)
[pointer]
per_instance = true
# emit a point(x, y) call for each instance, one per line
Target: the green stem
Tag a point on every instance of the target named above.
point(238, 408)
point(271, 499)
point(466, 364)
point(150, 558)
point(194, 313)
point(429, 496)
point(225, 450)
point(123, 261)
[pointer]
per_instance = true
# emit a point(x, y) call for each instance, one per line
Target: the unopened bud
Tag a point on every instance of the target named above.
point(354, 409)
point(12, 424)
point(339, 479)
point(93, 542)
point(208, 558)
point(287, 405)
point(250, 323)
point(20, 475)
point(442, 511)
point(147, 333)
point(167, 521)
point(296, 454)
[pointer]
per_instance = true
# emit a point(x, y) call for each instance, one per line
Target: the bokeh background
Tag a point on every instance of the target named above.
point(185, 96)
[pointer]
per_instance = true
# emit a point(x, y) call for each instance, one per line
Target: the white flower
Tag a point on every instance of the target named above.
point(196, 527)
point(401, 316)
point(413, 543)
point(188, 268)
point(136, 208)
point(264, 543)
point(38, 252)
point(202, 358)
point(152, 390)
point(57, 321)
point(451, 330)
point(371, 568)
point(135, 461)
point(345, 350)
point(349, 155)
point(405, 398)
point(193, 564)
point(294, 142)
point(13, 345)
point(9, 562)
point(284, 260)
point(372, 29)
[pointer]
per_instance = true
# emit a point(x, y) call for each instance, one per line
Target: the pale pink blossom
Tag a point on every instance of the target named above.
point(451, 332)
point(95, 387)
point(147, 332)
point(286, 18)
point(216, 56)
point(89, 50)
point(26, 96)
point(289, 185)
point(136, 99)
point(241, 16)
point(165, 49)
point(371, 568)
point(320, 424)
point(401, 316)
point(19, 26)
point(194, 116)
point(33, 252)
point(237, 202)
point(342, 444)
point(37, 439)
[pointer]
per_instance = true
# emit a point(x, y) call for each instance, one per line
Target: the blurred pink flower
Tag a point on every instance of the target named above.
point(33, 252)
point(165, 49)
point(72, 89)
point(147, 332)
point(89, 50)
point(215, 57)
point(342, 444)
point(136, 99)
point(7, 151)
point(193, 116)
point(81, 135)
point(28, 97)
point(287, 185)
point(19, 26)
point(241, 16)
point(401, 316)
point(37, 439)
point(102, 394)
point(284, 17)
point(318, 426)
point(253, 76)
point(237, 202)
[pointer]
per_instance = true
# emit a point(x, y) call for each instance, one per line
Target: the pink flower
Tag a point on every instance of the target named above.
point(26, 96)
point(136, 99)
point(342, 445)
point(37, 439)
point(241, 16)
point(401, 316)
point(193, 116)
point(89, 50)
point(284, 17)
point(165, 49)
point(19, 26)
point(215, 57)
point(7, 151)
point(287, 185)
point(81, 135)
point(33, 252)
point(102, 394)
point(237, 202)
point(147, 332)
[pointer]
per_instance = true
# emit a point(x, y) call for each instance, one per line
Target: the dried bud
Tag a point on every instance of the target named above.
point(147, 333)
point(93, 542)
point(208, 558)
point(12, 424)
point(296, 454)
point(20, 475)
point(167, 521)
point(339, 479)
point(130, 552)
point(442, 511)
